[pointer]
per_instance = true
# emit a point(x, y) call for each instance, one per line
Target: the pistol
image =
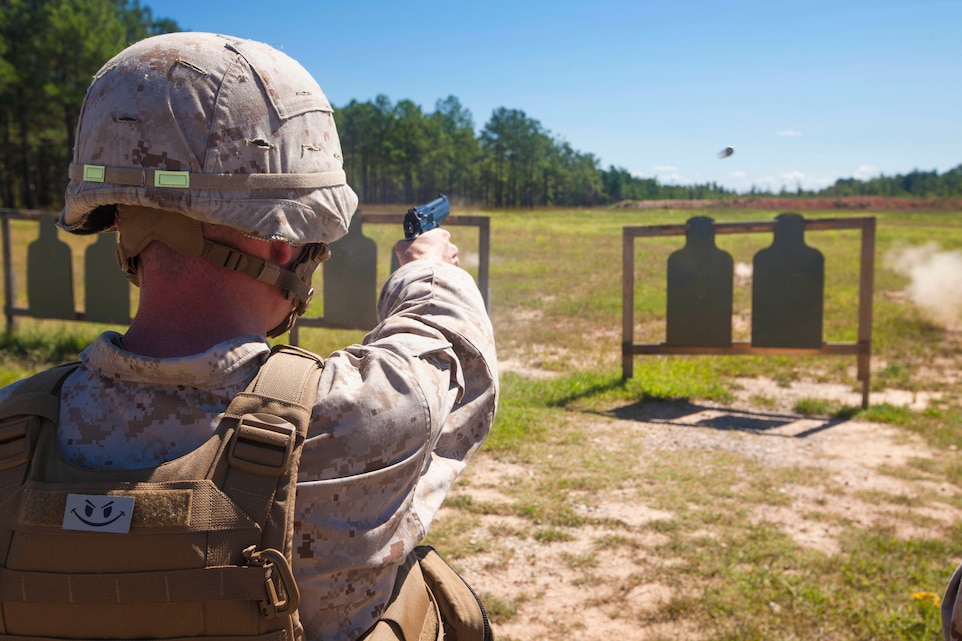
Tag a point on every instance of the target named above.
point(425, 217)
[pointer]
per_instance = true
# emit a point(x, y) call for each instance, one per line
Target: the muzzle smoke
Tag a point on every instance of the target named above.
point(743, 273)
point(936, 281)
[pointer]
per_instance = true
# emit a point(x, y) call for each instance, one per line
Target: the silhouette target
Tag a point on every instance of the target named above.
point(350, 277)
point(699, 310)
point(106, 288)
point(788, 289)
point(50, 275)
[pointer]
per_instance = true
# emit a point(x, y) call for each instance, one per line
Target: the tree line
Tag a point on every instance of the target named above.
point(49, 51)
point(394, 152)
point(923, 184)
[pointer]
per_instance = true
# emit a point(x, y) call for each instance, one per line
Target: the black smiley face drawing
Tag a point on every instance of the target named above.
point(92, 511)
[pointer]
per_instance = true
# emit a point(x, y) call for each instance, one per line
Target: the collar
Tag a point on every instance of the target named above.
point(230, 363)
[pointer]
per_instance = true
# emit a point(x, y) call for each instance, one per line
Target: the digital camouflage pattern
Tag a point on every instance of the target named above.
point(210, 106)
point(395, 421)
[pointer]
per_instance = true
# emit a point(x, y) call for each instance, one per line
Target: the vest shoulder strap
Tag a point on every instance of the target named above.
point(285, 386)
point(38, 395)
point(34, 400)
point(263, 451)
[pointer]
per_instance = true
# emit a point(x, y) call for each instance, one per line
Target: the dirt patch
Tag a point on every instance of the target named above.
point(853, 475)
point(785, 397)
point(523, 369)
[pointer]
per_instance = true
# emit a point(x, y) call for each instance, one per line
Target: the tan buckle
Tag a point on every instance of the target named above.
point(280, 571)
point(262, 444)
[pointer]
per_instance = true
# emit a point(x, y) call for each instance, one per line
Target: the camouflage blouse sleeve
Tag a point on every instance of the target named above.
point(396, 419)
point(442, 303)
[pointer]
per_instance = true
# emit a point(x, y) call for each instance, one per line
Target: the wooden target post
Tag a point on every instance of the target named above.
point(861, 349)
point(350, 288)
point(350, 276)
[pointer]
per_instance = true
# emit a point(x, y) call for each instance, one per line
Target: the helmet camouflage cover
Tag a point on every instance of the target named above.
point(188, 128)
point(221, 130)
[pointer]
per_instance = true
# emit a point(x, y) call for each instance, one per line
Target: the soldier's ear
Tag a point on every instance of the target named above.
point(282, 254)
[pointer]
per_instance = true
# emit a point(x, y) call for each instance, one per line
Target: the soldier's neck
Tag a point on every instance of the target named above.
point(171, 323)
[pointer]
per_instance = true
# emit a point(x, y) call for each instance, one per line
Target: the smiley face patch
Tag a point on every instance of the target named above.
point(98, 513)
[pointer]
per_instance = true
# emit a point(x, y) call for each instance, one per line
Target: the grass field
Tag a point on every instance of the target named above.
point(651, 541)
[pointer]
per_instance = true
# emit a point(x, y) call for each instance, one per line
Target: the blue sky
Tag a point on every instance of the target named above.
point(806, 92)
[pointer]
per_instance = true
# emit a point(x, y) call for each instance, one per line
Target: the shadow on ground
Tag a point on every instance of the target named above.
point(686, 414)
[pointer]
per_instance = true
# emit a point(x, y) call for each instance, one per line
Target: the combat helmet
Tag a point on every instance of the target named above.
point(210, 129)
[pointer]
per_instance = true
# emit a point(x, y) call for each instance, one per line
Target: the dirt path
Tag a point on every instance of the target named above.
point(855, 459)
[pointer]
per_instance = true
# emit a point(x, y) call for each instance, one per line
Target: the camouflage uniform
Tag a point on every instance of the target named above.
point(395, 420)
point(184, 129)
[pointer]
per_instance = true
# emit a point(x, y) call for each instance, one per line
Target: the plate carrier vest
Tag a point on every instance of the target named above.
point(208, 552)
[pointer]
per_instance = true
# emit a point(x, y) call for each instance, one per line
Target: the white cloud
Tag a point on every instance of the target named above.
point(668, 174)
point(866, 172)
point(788, 132)
point(742, 181)
point(793, 176)
point(793, 179)
point(788, 180)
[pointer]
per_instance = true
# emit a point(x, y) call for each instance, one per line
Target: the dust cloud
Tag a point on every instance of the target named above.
point(743, 273)
point(936, 281)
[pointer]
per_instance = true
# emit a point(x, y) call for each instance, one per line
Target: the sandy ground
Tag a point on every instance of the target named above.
point(854, 458)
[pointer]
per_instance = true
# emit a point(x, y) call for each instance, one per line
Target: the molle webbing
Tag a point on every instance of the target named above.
point(229, 583)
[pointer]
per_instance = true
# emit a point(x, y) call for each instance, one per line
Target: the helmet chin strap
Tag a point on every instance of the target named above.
point(303, 268)
point(141, 225)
